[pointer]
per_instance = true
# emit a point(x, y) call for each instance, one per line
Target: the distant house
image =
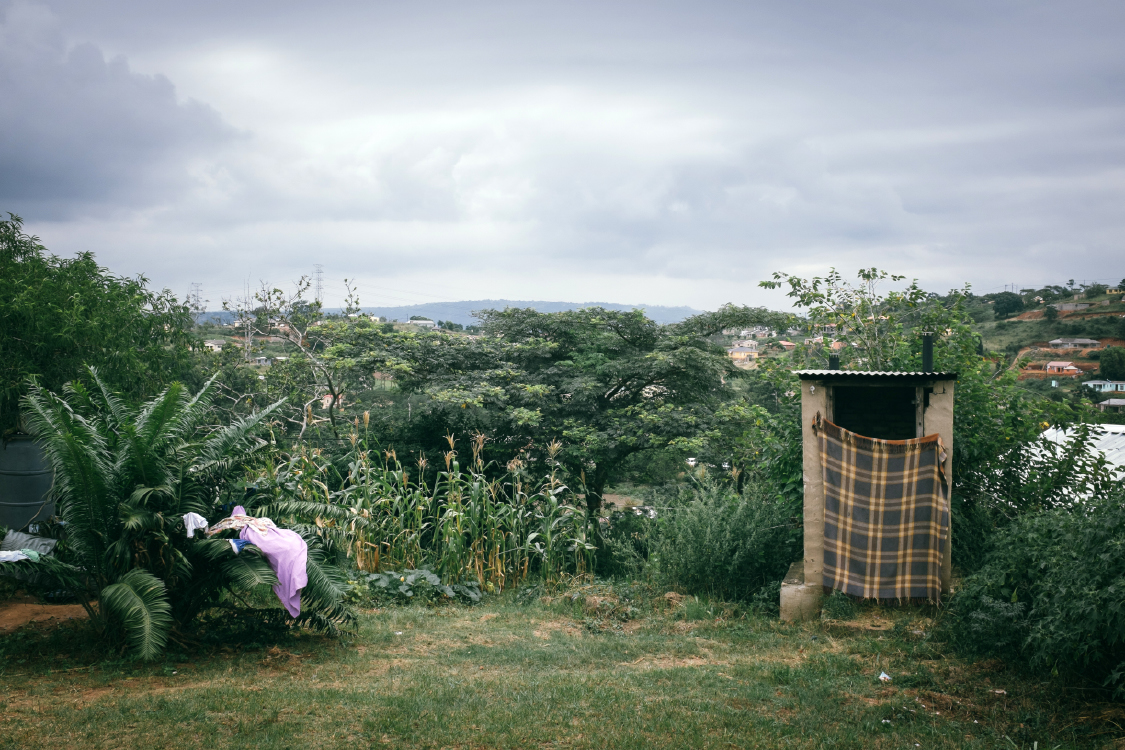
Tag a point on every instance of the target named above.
point(743, 354)
point(214, 345)
point(263, 361)
point(326, 401)
point(1063, 368)
point(1075, 344)
point(1112, 404)
point(747, 343)
point(1106, 386)
point(837, 345)
point(787, 345)
point(422, 323)
point(1070, 306)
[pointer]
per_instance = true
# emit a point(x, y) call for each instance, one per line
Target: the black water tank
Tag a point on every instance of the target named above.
point(25, 484)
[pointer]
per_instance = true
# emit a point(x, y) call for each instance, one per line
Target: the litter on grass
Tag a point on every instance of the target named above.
point(884, 677)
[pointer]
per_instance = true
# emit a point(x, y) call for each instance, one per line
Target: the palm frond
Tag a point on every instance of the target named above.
point(109, 400)
point(139, 603)
point(226, 446)
point(85, 475)
point(193, 413)
point(249, 569)
point(324, 594)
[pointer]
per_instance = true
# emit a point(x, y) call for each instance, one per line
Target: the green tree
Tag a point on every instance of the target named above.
point(1000, 469)
point(1050, 313)
point(1112, 363)
point(1007, 303)
point(58, 314)
point(124, 478)
point(881, 330)
point(605, 384)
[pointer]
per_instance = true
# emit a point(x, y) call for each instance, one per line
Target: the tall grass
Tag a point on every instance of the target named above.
point(463, 525)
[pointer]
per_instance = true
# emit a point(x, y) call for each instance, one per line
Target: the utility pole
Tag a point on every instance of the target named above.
point(195, 299)
point(318, 280)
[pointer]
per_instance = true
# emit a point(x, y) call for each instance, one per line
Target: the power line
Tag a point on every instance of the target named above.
point(318, 277)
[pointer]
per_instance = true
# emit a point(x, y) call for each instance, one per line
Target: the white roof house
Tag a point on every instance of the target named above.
point(1106, 386)
point(423, 323)
point(1075, 344)
point(1109, 439)
point(214, 345)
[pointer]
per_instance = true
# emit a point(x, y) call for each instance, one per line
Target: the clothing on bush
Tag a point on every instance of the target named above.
point(886, 514)
point(193, 522)
point(238, 544)
point(12, 556)
point(239, 520)
point(284, 550)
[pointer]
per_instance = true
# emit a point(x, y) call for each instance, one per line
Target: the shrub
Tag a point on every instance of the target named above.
point(724, 543)
point(421, 585)
point(1052, 594)
point(123, 480)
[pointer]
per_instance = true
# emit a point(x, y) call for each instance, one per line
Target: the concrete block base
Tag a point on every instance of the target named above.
point(800, 602)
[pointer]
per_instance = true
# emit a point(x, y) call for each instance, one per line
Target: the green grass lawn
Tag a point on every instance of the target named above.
point(511, 675)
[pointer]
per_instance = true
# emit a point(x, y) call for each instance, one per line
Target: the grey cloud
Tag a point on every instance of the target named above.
point(650, 141)
point(84, 133)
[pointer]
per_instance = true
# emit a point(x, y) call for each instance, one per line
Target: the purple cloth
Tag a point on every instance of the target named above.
point(288, 555)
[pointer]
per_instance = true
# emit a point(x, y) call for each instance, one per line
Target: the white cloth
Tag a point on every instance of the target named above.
point(192, 522)
point(13, 556)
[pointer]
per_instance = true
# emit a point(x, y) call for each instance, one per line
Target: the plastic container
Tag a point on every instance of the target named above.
point(25, 484)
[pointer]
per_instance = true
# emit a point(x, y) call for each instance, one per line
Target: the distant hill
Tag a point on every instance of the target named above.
point(462, 312)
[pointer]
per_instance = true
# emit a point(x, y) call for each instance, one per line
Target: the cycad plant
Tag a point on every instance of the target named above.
point(124, 478)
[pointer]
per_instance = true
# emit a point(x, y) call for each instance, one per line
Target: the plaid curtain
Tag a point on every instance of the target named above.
point(886, 514)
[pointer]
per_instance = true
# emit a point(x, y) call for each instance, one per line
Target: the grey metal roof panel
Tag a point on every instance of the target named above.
point(1110, 440)
point(861, 374)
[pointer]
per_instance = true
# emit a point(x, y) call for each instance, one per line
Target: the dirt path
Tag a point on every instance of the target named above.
point(15, 613)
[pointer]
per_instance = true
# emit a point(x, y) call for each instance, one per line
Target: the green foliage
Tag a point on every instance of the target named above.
point(604, 384)
point(838, 606)
point(1052, 594)
point(1006, 303)
point(724, 543)
point(139, 602)
point(124, 478)
point(57, 315)
point(421, 585)
point(1051, 313)
point(464, 526)
point(881, 330)
point(1112, 363)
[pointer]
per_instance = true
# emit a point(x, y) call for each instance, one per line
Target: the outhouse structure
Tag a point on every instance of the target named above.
point(894, 409)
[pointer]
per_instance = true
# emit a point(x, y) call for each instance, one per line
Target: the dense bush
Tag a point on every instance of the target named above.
point(57, 315)
point(124, 479)
point(1052, 594)
point(725, 543)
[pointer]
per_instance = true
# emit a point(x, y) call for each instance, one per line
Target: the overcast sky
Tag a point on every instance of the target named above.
point(647, 152)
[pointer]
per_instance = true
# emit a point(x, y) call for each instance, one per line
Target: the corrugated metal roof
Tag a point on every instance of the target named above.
point(821, 374)
point(1110, 441)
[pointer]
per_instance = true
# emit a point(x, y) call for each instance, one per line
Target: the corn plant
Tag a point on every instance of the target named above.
point(462, 525)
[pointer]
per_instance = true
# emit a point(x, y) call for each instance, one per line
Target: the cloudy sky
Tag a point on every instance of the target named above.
point(635, 152)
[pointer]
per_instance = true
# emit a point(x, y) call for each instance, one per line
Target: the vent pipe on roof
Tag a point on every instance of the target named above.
point(927, 352)
point(833, 361)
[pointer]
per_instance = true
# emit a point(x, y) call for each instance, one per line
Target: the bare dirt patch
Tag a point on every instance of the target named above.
point(545, 629)
point(668, 662)
point(15, 613)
